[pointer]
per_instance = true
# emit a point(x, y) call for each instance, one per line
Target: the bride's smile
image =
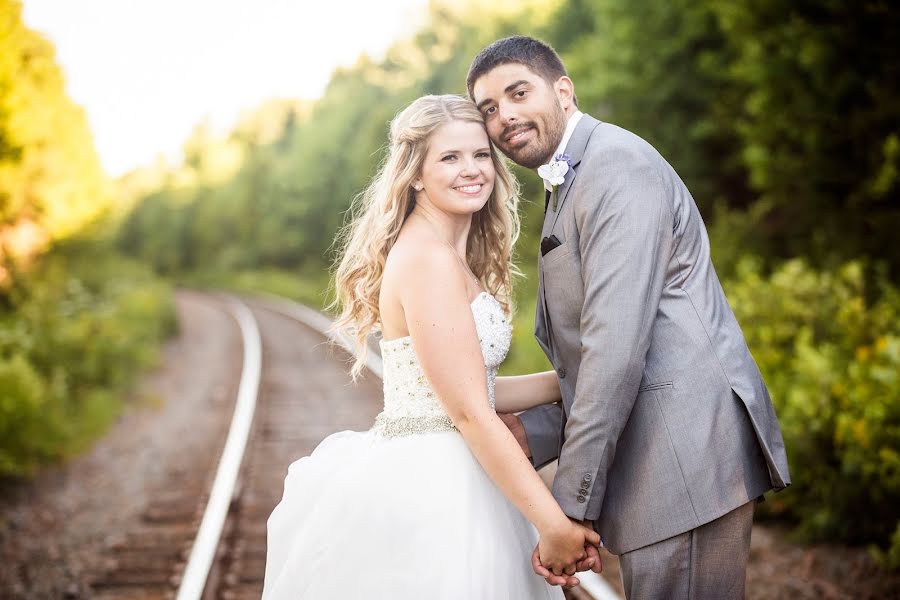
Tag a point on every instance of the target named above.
point(470, 189)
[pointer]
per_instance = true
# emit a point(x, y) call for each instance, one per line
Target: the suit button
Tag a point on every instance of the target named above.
point(584, 488)
point(562, 373)
point(587, 477)
point(581, 499)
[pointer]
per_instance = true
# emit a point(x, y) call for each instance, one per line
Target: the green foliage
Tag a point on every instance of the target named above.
point(889, 559)
point(794, 105)
point(818, 114)
point(74, 332)
point(49, 172)
point(659, 69)
point(78, 323)
point(29, 428)
point(309, 288)
point(734, 235)
point(831, 359)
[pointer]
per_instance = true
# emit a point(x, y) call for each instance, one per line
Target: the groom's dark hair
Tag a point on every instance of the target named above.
point(538, 56)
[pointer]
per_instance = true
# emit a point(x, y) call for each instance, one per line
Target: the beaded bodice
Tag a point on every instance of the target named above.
point(410, 404)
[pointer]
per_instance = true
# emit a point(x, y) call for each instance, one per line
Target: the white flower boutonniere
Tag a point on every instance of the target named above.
point(554, 173)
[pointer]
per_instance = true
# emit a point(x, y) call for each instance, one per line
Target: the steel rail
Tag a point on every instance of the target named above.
point(203, 551)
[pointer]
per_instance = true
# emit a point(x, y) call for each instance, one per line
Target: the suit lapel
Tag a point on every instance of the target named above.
point(562, 191)
point(575, 149)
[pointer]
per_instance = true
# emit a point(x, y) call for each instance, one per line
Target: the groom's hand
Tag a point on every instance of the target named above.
point(514, 424)
point(592, 561)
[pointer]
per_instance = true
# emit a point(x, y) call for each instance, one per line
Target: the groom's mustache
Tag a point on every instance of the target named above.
point(513, 129)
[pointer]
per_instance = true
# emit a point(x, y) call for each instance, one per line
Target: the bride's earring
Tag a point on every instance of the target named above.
point(418, 187)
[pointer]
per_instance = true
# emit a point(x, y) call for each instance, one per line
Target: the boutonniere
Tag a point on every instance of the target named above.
point(554, 173)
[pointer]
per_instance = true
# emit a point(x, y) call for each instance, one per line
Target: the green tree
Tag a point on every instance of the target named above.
point(819, 120)
point(49, 172)
point(659, 70)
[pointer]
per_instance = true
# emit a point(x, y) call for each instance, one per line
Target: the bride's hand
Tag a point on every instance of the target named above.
point(591, 562)
point(562, 547)
point(566, 581)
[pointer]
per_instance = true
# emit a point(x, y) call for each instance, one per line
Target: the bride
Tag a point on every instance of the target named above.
point(437, 500)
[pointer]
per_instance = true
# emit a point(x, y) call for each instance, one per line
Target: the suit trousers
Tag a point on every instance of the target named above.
point(709, 562)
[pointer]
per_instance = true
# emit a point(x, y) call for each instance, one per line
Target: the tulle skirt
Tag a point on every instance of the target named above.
point(410, 517)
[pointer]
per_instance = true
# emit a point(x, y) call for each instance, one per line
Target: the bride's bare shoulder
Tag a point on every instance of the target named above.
point(415, 260)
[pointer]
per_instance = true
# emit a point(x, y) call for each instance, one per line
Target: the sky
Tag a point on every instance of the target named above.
point(147, 71)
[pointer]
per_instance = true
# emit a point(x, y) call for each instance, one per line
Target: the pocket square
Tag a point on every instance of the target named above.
point(549, 243)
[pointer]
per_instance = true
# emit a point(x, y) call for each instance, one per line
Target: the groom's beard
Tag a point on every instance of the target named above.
point(549, 132)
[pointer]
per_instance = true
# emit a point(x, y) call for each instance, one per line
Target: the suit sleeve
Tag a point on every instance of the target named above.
point(543, 425)
point(625, 240)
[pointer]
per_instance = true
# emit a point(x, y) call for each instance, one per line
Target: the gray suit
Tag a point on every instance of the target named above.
point(665, 423)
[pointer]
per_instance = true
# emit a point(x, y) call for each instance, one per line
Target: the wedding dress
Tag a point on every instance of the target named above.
point(403, 511)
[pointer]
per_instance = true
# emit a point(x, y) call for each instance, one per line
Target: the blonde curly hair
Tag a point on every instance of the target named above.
point(377, 216)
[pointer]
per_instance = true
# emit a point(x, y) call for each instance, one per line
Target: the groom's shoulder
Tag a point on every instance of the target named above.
point(610, 139)
point(612, 146)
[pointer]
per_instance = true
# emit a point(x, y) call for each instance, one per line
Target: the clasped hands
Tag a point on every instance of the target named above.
point(566, 550)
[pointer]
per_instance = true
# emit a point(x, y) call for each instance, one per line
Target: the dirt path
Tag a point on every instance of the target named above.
point(782, 570)
point(55, 530)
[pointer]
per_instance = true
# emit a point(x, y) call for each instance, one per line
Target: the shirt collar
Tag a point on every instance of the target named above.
point(570, 129)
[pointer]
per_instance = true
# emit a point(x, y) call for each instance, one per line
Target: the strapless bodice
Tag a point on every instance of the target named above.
point(410, 404)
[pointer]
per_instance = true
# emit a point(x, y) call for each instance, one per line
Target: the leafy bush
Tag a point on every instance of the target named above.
point(28, 429)
point(831, 359)
point(74, 332)
point(309, 286)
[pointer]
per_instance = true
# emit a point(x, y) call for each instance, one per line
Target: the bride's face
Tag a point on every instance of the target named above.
point(458, 173)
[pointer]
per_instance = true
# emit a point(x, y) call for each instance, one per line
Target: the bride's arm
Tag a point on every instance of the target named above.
point(521, 392)
point(440, 322)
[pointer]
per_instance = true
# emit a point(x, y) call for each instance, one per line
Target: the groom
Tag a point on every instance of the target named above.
point(666, 435)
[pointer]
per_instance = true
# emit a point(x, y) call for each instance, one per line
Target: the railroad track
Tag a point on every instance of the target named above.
point(205, 537)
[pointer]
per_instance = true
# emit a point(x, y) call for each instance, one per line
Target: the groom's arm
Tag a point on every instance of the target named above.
point(541, 427)
point(625, 240)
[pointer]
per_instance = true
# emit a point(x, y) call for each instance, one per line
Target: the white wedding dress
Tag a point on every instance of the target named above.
point(403, 511)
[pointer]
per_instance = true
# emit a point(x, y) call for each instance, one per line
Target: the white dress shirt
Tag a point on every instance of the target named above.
point(570, 128)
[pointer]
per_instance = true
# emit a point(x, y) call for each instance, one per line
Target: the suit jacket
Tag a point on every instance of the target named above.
point(665, 422)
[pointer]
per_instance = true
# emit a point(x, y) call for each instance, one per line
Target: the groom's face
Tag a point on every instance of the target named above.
point(522, 111)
